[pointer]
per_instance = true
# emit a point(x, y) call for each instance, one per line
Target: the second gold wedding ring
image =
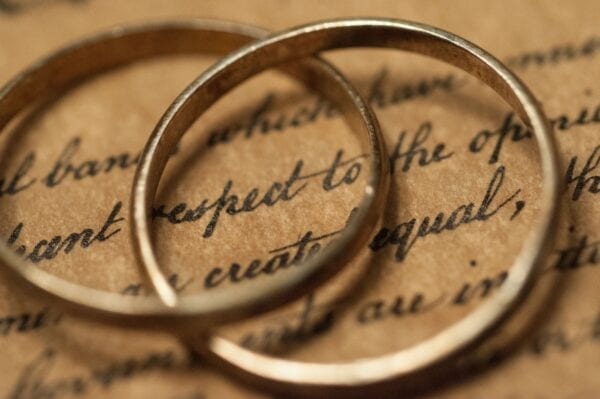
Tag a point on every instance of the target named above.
point(351, 378)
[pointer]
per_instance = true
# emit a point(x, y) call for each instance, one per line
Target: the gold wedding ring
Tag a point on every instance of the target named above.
point(359, 376)
point(127, 44)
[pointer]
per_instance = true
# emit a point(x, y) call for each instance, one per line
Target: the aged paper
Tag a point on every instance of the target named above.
point(68, 164)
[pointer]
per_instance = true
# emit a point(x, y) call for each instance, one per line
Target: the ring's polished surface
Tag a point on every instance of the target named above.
point(127, 44)
point(354, 377)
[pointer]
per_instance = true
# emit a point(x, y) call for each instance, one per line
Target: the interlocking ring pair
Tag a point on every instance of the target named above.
point(254, 51)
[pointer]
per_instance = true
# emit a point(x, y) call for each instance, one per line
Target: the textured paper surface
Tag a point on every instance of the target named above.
point(415, 289)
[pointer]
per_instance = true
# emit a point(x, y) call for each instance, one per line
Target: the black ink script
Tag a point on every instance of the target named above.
point(416, 150)
point(557, 54)
point(66, 168)
point(28, 322)
point(282, 258)
point(36, 381)
point(137, 289)
point(513, 130)
point(404, 235)
point(233, 204)
point(19, 181)
point(311, 321)
point(316, 319)
point(584, 252)
point(49, 249)
point(565, 338)
point(382, 93)
point(584, 180)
